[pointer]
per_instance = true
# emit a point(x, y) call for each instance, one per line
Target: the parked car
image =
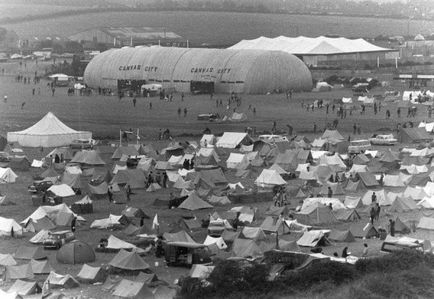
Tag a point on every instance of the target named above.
point(56, 240)
point(39, 186)
point(383, 140)
point(186, 254)
point(359, 146)
point(216, 228)
point(82, 144)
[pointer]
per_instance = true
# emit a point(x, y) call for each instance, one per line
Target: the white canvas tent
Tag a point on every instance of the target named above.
point(269, 178)
point(48, 132)
point(231, 139)
point(7, 176)
point(7, 225)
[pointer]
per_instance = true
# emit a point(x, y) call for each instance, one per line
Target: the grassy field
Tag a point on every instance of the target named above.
point(106, 115)
point(224, 28)
point(13, 10)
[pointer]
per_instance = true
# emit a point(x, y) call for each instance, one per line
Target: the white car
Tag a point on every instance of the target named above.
point(383, 140)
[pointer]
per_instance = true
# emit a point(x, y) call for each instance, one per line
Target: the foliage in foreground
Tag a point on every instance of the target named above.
point(408, 274)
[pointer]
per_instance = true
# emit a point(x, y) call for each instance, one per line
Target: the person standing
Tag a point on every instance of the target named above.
point(110, 194)
point(377, 211)
point(392, 227)
point(365, 250)
point(373, 197)
point(372, 214)
point(73, 222)
point(329, 192)
point(128, 191)
point(134, 102)
point(185, 112)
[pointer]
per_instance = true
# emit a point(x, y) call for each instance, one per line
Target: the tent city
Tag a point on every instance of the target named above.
point(216, 149)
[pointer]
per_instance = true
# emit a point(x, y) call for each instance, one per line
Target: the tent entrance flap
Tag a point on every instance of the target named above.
point(200, 87)
point(131, 85)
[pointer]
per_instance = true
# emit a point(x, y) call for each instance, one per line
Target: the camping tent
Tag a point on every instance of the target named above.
point(61, 281)
point(413, 135)
point(125, 150)
point(275, 225)
point(40, 267)
point(19, 163)
point(269, 178)
point(128, 261)
point(89, 274)
point(62, 190)
point(9, 225)
point(401, 204)
point(193, 202)
point(133, 177)
point(341, 236)
point(132, 290)
point(75, 252)
point(24, 288)
point(7, 176)
point(233, 140)
point(246, 248)
point(48, 132)
point(60, 215)
point(313, 238)
point(19, 272)
point(237, 161)
point(88, 157)
point(316, 214)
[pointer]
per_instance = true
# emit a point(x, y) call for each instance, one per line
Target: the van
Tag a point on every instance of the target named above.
point(186, 254)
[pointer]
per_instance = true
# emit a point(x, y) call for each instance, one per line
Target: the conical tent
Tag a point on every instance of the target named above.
point(401, 227)
point(246, 248)
point(403, 205)
point(75, 252)
point(48, 132)
point(193, 202)
point(125, 150)
point(128, 261)
point(88, 158)
point(269, 178)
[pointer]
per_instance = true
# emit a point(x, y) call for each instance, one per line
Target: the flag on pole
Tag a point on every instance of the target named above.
point(155, 224)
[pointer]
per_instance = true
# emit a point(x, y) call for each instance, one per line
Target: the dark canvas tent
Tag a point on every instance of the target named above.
point(75, 252)
point(40, 267)
point(49, 173)
point(246, 248)
point(401, 204)
point(101, 174)
point(99, 190)
point(132, 290)
point(3, 142)
point(181, 236)
point(24, 288)
point(125, 150)
point(360, 231)
point(19, 272)
point(212, 177)
point(368, 179)
point(89, 274)
point(88, 158)
point(194, 202)
point(19, 163)
point(341, 236)
point(130, 261)
point(30, 252)
point(336, 188)
point(43, 223)
point(413, 135)
point(133, 177)
point(72, 180)
point(347, 215)
point(401, 227)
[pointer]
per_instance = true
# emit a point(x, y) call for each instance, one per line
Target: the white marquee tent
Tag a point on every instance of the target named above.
point(48, 132)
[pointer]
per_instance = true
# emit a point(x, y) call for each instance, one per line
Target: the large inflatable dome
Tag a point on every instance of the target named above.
point(187, 70)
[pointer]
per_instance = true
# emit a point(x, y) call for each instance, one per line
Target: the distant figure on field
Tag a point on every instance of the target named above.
point(365, 250)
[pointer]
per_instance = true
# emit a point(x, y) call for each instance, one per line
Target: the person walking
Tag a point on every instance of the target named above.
point(179, 112)
point(150, 105)
point(185, 112)
point(110, 193)
point(134, 102)
point(128, 192)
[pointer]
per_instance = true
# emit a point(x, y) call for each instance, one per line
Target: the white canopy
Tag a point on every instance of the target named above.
point(48, 132)
point(310, 46)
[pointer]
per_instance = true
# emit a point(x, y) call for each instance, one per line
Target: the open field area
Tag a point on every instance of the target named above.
point(105, 116)
point(224, 28)
point(12, 10)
